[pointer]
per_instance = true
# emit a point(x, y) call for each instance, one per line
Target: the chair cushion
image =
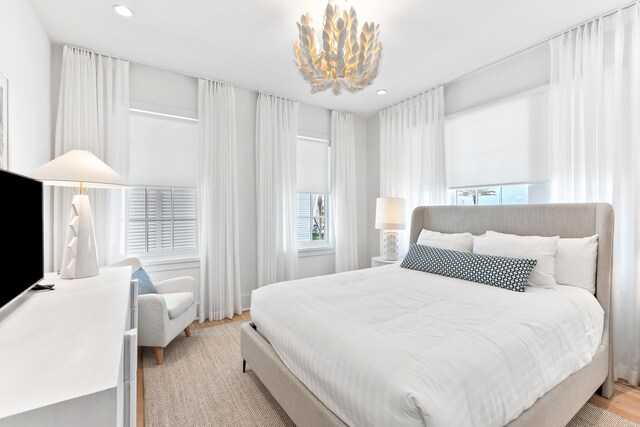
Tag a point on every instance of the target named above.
point(178, 302)
point(145, 285)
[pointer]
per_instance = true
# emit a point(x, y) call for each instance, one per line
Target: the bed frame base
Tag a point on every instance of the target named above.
point(555, 408)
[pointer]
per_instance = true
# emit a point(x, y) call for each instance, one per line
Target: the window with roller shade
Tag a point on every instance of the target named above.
point(313, 192)
point(503, 143)
point(161, 208)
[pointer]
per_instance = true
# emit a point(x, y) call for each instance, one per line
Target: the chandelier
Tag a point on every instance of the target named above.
point(345, 59)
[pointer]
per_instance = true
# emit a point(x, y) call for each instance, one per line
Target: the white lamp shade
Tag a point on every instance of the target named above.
point(78, 166)
point(390, 213)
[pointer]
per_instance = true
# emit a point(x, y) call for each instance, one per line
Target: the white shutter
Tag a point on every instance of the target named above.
point(161, 220)
point(304, 217)
point(505, 142)
point(184, 215)
point(136, 230)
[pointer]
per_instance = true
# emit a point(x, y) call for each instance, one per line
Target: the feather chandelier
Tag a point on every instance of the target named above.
point(346, 59)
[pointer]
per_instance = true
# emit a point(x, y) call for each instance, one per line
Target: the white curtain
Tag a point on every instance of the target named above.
point(412, 155)
point(93, 115)
point(595, 121)
point(342, 209)
point(276, 138)
point(218, 202)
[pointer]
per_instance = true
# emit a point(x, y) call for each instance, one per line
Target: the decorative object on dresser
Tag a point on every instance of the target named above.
point(390, 217)
point(164, 312)
point(79, 169)
point(4, 123)
point(72, 357)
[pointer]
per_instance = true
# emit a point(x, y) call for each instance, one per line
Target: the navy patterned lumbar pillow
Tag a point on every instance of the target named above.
point(145, 285)
point(503, 272)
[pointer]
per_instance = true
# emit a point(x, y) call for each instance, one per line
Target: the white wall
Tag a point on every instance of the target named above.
point(25, 60)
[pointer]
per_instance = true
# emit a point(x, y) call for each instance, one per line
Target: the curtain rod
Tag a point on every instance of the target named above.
point(516, 53)
point(184, 73)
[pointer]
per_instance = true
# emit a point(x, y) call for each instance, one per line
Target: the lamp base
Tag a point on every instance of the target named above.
point(390, 245)
point(80, 258)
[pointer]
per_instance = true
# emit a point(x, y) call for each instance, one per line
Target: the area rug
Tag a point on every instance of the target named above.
point(201, 383)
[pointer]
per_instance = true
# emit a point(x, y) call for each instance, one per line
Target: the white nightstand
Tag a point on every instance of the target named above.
point(378, 261)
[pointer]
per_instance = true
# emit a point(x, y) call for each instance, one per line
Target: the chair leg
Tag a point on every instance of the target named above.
point(244, 366)
point(159, 351)
point(187, 331)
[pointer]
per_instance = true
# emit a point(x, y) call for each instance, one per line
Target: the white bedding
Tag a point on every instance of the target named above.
point(394, 347)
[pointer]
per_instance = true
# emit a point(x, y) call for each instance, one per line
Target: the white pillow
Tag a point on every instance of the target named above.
point(542, 249)
point(455, 242)
point(576, 261)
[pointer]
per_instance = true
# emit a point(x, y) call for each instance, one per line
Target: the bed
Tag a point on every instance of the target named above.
point(327, 406)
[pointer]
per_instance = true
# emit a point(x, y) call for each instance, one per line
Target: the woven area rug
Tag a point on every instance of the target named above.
point(201, 384)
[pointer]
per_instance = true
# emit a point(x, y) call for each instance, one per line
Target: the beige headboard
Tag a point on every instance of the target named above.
point(564, 220)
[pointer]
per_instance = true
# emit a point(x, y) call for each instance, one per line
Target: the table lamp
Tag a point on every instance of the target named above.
point(79, 169)
point(390, 218)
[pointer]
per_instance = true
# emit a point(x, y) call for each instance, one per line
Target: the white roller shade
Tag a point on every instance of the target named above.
point(505, 142)
point(163, 152)
point(313, 166)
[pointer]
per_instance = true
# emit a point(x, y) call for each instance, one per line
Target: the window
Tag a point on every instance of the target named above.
point(313, 192)
point(312, 218)
point(498, 195)
point(161, 220)
point(161, 208)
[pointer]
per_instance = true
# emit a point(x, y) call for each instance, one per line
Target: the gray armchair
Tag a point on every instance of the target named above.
point(162, 316)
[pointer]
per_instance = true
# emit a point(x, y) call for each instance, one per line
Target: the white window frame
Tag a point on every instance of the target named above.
point(312, 245)
point(182, 254)
point(318, 247)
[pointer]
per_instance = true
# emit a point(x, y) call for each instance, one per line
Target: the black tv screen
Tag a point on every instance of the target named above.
point(22, 260)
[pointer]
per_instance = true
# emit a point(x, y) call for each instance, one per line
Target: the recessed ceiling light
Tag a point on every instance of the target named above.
point(123, 10)
point(381, 91)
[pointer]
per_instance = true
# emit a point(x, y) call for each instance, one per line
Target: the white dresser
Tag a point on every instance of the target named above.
point(69, 357)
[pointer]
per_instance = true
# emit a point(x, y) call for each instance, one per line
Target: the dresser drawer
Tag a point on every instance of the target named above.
point(130, 354)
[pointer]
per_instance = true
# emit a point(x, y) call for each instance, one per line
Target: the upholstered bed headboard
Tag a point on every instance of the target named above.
point(564, 220)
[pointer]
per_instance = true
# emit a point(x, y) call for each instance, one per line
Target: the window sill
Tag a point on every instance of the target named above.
point(169, 260)
point(316, 251)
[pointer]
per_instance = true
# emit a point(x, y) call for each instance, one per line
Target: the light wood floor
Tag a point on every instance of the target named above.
point(625, 401)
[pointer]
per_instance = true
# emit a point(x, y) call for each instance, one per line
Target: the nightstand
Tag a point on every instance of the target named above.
point(378, 261)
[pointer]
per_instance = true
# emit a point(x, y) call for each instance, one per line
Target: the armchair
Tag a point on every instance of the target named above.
point(162, 316)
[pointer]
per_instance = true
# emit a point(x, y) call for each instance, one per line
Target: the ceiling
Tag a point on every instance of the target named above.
point(249, 43)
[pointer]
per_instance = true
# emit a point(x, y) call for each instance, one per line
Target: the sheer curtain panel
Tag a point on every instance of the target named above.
point(93, 115)
point(218, 202)
point(342, 208)
point(276, 138)
point(412, 156)
point(595, 102)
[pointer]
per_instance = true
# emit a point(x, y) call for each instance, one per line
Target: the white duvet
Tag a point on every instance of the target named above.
point(394, 347)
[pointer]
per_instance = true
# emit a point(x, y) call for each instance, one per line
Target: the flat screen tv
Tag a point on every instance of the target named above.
point(22, 259)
